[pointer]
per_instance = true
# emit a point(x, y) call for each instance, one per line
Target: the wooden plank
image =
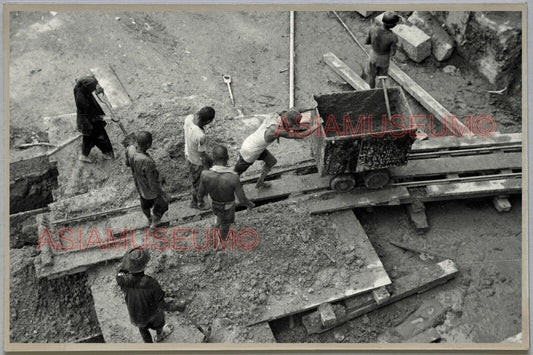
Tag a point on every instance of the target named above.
point(113, 88)
point(224, 330)
point(113, 317)
point(430, 335)
point(287, 185)
point(389, 196)
point(428, 315)
point(371, 276)
point(468, 189)
point(463, 164)
point(417, 249)
point(421, 280)
point(433, 143)
point(345, 72)
point(426, 100)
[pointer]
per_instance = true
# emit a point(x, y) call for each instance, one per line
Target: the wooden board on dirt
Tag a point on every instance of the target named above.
point(350, 235)
point(345, 72)
point(113, 88)
point(428, 315)
point(223, 330)
point(417, 282)
point(463, 164)
point(454, 142)
point(112, 313)
point(385, 197)
point(477, 188)
point(425, 99)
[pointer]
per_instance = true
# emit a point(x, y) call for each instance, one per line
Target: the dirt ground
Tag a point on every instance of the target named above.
point(171, 64)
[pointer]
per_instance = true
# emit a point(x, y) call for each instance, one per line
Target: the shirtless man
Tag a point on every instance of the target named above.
point(383, 42)
point(222, 184)
point(255, 145)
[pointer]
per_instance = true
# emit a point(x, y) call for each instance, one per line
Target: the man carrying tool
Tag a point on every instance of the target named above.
point(255, 145)
point(383, 42)
point(222, 184)
point(89, 119)
point(146, 178)
point(144, 296)
point(195, 150)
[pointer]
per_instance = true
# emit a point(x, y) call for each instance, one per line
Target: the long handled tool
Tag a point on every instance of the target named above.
point(227, 80)
point(103, 98)
point(386, 94)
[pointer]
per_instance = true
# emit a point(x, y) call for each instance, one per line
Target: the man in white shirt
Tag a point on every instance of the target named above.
point(195, 149)
point(255, 145)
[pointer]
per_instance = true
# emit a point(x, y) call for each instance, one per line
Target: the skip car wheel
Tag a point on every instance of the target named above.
point(376, 179)
point(342, 183)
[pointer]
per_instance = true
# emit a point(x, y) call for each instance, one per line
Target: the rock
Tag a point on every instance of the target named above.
point(339, 337)
point(449, 69)
point(415, 43)
point(442, 45)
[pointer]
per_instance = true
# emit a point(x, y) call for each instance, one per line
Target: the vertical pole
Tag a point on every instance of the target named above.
point(291, 65)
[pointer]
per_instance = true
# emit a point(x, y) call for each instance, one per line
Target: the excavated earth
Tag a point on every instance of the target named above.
point(171, 64)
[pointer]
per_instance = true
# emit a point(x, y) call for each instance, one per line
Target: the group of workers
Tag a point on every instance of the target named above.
point(209, 174)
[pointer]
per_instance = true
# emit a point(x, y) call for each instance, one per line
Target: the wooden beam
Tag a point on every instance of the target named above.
point(467, 189)
point(454, 142)
point(427, 316)
point(420, 281)
point(345, 72)
point(357, 199)
point(112, 86)
point(426, 100)
point(454, 165)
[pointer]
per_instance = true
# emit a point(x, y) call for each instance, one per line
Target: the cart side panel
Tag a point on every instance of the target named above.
point(340, 156)
point(384, 152)
point(376, 143)
point(318, 146)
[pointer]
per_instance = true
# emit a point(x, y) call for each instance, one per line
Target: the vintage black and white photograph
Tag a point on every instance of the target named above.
point(267, 176)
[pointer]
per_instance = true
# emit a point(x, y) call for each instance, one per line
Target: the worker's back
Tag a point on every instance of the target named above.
point(220, 185)
point(381, 39)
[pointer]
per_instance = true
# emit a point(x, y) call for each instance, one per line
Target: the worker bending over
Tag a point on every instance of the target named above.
point(255, 145)
point(89, 119)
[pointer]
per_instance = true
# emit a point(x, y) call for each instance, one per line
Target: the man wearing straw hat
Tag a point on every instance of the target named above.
point(144, 296)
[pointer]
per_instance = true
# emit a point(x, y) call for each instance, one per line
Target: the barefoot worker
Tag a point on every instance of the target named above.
point(195, 148)
point(146, 178)
point(383, 42)
point(144, 296)
point(222, 184)
point(255, 145)
point(89, 119)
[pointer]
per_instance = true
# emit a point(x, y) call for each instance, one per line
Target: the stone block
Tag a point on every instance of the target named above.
point(415, 43)
point(442, 45)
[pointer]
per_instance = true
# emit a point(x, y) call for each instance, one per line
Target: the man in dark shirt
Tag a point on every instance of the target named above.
point(222, 183)
point(146, 178)
point(144, 296)
point(383, 42)
point(89, 119)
